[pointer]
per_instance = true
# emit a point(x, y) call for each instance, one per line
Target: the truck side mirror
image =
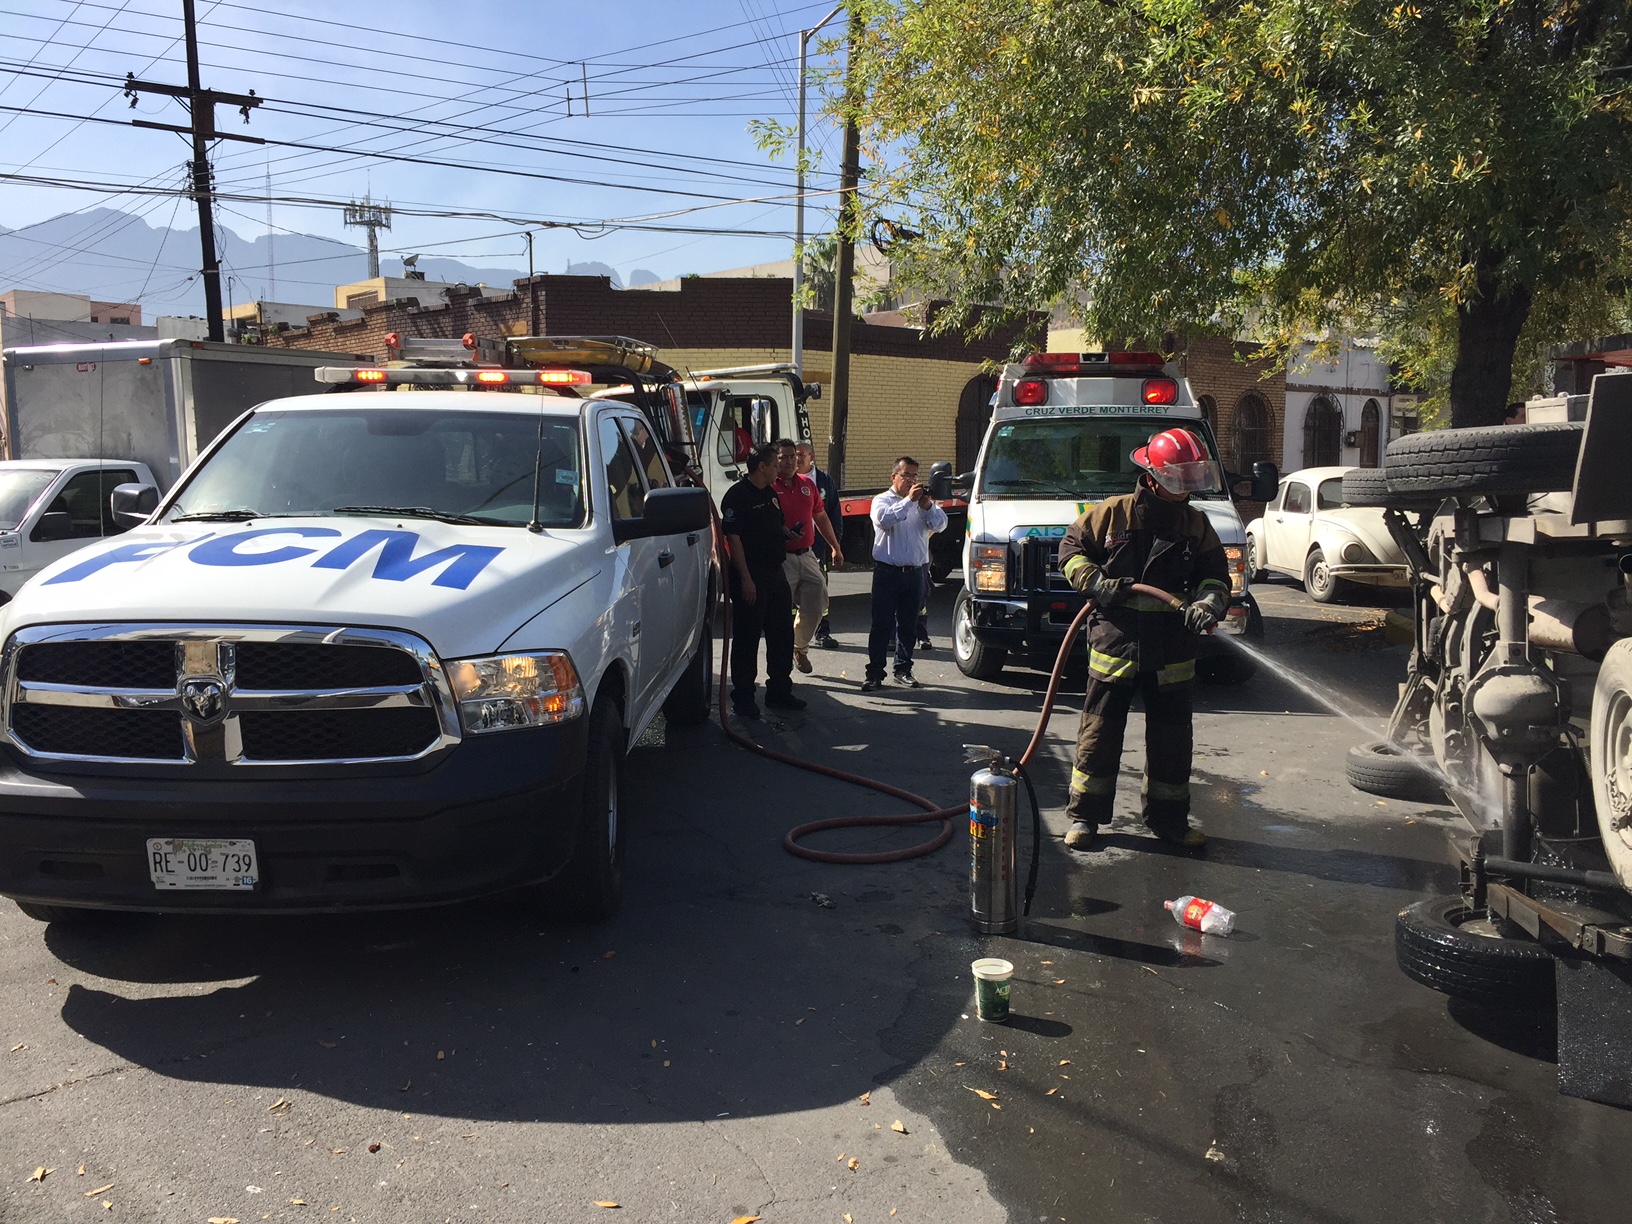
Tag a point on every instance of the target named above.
point(940, 481)
point(1265, 480)
point(133, 504)
point(667, 512)
point(813, 390)
point(53, 525)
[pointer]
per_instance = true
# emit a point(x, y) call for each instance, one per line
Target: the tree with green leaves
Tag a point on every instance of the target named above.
point(1441, 171)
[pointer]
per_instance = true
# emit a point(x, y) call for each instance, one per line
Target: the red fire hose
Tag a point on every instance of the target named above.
point(790, 840)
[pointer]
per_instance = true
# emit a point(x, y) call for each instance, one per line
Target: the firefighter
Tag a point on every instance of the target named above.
point(1136, 642)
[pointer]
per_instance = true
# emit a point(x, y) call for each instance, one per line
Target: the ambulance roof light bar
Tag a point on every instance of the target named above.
point(416, 376)
point(1090, 364)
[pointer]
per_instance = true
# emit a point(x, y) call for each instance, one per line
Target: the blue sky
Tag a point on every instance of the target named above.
point(679, 81)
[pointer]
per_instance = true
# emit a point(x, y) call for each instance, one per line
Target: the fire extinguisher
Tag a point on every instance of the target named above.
point(994, 797)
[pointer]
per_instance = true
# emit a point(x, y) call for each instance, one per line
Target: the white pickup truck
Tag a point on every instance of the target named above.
point(52, 507)
point(374, 649)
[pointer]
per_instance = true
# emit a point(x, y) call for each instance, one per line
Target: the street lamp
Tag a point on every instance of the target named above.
point(799, 201)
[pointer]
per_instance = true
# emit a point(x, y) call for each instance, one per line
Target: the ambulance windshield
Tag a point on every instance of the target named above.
point(1080, 458)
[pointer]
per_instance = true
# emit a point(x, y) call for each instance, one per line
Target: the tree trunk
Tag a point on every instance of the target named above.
point(1487, 334)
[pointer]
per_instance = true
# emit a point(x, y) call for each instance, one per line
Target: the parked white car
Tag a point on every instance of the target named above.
point(52, 507)
point(1308, 532)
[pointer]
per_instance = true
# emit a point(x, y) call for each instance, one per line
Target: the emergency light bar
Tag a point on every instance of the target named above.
point(409, 376)
point(1089, 364)
point(636, 356)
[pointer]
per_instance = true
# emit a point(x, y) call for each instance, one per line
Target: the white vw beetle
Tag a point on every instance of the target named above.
point(1308, 532)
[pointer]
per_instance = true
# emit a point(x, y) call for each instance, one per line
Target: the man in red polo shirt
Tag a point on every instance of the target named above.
point(805, 515)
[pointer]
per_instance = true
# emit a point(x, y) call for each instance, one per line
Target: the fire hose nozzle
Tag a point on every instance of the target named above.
point(978, 754)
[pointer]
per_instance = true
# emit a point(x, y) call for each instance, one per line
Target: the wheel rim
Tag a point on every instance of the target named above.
point(1618, 757)
point(963, 630)
point(1320, 574)
point(1252, 557)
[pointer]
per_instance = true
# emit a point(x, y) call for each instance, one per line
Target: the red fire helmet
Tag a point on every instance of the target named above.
point(1177, 460)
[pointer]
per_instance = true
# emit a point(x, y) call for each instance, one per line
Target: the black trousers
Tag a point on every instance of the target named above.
point(898, 593)
point(770, 616)
point(1168, 741)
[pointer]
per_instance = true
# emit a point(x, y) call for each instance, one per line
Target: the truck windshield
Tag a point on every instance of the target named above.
point(1082, 458)
point(18, 489)
point(468, 466)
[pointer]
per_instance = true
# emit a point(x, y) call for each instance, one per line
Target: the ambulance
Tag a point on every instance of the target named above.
point(1062, 435)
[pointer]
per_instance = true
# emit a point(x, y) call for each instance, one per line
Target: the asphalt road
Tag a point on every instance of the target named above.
point(728, 1046)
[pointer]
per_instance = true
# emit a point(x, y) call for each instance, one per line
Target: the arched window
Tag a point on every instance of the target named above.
point(1209, 412)
point(1251, 433)
point(974, 411)
point(1371, 428)
point(1323, 433)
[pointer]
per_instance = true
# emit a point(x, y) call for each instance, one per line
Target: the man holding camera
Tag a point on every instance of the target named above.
point(904, 517)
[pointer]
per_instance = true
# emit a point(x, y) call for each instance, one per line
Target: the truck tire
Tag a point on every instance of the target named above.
point(1611, 754)
point(590, 887)
point(688, 703)
point(1495, 460)
point(974, 660)
point(1385, 770)
point(63, 914)
point(1366, 487)
point(1455, 950)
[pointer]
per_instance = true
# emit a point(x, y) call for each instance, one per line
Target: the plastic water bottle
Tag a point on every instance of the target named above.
point(1208, 917)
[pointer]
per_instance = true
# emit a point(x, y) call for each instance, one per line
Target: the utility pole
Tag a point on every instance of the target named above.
point(532, 289)
point(201, 104)
point(844, 291)
point(372, 217)
point(799, 201)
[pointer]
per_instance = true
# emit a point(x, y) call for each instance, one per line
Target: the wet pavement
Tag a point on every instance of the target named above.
point(752, 1023)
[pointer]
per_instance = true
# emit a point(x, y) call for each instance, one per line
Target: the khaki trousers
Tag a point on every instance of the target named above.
point(809, 587)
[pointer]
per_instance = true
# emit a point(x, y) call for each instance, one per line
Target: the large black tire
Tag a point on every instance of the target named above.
point(590, 887)
point(1385, 770)
point(64, 914)
point(1366, 487)
point(688, 703)
point(1495, 460)
point(974, 660)
point(1447, 947)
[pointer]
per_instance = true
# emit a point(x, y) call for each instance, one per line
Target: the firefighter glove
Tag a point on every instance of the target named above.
point(1202, 614)
point(1107, 592)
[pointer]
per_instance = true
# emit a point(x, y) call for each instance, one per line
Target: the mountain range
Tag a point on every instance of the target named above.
point(116, 256)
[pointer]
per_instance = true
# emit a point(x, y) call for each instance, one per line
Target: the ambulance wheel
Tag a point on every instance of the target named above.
point(974, 660)
point(688, 704)
point(590, 887)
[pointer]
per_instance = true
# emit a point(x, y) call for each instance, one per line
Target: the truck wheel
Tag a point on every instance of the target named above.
point(687, 704)
point(974, 660)
point(64, 914)
point(590, 886)
point(1495, 460)
point(1458, 951)
point(1611, 741)
point(1318, 579)
point(1385, 770)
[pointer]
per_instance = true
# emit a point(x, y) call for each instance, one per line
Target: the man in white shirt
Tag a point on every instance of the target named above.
point(904, 517)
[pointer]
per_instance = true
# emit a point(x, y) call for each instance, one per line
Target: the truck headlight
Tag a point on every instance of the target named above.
point(1235, 557)
point(989, 567)
point(499, 692)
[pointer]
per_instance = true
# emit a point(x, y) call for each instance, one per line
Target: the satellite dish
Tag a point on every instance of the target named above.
point(408, 261)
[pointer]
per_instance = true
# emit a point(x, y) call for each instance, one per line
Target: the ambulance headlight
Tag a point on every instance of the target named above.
point(499, 692)
point(989, 567)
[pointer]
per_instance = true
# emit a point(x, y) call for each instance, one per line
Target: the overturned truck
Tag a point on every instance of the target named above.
point(1517, 708)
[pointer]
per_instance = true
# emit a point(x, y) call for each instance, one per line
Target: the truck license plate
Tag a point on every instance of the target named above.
point(193, 862)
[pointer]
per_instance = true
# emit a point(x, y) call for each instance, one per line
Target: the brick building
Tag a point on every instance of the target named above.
point(910, 393)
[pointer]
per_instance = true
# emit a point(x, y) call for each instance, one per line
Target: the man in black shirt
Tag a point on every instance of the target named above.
point(761, 603)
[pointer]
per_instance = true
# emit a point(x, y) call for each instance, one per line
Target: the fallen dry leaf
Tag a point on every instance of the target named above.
point(745, 1220)
point(373, 1147)
point(898, 1127)
point(840, 1160)
point(81, 1170)
point(280, 1103)
point(297, 1202)
point(982, 1093)
point(51, 981)
point(21, 1045)
point(866, 1098)
point(608, 1203)
point(1052, 1090)
point(223, 1220)
point(799, 1021)
point(40, 1174)
point(1003, 1065)
point(995, 1105)
point(847, 1219)
point(608, 956)
point(892, 1210)
point(337, 1151)
point(328, 1045)
point(406, 1086)
point(100, 1190)
point(1059, 981)
point(1065, 1062)
point(106, 1206)
point(854, 1164)
point(1263, 773)
point(441, 1055)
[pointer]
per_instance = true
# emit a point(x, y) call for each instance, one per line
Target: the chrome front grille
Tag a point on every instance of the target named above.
point(243, 695)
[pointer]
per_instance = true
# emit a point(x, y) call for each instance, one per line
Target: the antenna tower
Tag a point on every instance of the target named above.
point(372, 217)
